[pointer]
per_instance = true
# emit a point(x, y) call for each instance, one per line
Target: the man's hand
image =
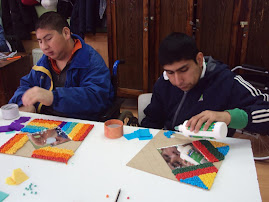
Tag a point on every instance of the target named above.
point(30, 108)
point(37, 94)
point(207, 117)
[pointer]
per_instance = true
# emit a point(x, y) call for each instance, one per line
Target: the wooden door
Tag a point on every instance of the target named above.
point(214, 28)
point(128, 41)
point(256, 51)
point(169, 16)
point(228, 30)
point(175, 16)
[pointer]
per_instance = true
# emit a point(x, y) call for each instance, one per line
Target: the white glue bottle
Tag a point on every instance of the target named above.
point(189, 154)
point(216, 130)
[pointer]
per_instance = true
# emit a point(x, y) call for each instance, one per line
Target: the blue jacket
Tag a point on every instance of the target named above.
point(88, 89)
point(219, 90)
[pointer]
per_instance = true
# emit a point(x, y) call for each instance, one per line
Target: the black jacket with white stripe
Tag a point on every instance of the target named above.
point(219, 90)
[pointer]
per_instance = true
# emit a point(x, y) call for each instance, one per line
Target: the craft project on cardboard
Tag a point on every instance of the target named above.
point(47, 139)
point(192, 163)
point(188, 160)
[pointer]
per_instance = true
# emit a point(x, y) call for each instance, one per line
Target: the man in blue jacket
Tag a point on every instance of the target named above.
point(202, 90)
point(71, 79)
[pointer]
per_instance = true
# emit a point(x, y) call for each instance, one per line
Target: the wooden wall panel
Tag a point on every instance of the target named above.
point(215, 28)
point(129, 37)
point(154, 35)
point(99, 43)
point(234, 53)
point(258, 35)
point(173, 17)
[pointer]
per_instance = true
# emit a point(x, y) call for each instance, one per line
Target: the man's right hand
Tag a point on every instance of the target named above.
point(208, 117)
point(37, 94)
point(29, 108)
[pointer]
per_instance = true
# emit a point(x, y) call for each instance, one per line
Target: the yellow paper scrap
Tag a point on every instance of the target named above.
point(10, 181)
point(18, 176)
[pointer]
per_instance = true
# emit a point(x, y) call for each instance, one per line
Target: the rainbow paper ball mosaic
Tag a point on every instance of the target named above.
point(53, 154)
point(75, 131)
point(14, 144)
point(203, 175)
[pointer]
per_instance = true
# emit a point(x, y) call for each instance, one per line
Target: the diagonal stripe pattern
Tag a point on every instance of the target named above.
point(203, 175)
point(75, 131)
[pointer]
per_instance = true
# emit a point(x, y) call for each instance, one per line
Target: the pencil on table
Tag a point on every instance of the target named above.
point(118, 195)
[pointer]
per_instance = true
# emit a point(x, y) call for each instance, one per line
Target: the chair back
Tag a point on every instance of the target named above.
point(143, 102)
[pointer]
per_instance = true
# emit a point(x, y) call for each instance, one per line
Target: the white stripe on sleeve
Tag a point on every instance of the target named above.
point(260, 120)
point(260, 116)
point(254, 92)
point(260, 111)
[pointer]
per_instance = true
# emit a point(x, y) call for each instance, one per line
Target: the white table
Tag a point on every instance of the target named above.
point(99, 168)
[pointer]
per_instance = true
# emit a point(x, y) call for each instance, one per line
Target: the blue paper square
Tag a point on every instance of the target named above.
point(168, 133)
point(146, 138)
point(3, 195)
point(130, 136)
point(144, 133)
point(141, 134)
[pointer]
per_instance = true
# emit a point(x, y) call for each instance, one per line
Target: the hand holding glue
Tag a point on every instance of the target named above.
point(216, 130)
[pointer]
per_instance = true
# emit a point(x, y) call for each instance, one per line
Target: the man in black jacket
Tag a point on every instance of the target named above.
point(202, 90)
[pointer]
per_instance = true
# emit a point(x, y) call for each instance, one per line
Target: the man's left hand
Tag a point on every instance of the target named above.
point(37, 94)
point(207, 117)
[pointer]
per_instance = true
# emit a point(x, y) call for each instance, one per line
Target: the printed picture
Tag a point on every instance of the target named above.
point(180, 156)
point(50, 137)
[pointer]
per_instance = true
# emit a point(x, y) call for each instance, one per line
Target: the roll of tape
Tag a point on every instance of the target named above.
point(10, 111)
point(113, 128)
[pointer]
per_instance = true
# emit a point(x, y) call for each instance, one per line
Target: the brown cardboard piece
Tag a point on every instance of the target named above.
point(150, 160)
point(28, 148)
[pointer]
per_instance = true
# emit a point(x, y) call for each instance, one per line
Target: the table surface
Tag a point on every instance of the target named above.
point(4, 62)
point(98, 168)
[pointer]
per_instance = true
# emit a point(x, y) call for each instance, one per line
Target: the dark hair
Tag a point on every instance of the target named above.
point(176, 47)
point(51, 20)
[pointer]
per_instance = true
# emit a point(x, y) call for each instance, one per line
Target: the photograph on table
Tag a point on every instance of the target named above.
point(50, 137)
point(180, 156)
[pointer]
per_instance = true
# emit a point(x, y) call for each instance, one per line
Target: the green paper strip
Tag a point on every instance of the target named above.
point(191, 168)
point(212, 150)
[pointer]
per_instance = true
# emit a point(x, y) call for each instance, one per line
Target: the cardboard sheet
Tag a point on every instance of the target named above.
point(28, 148)
point(150, 160)
point(54, 130)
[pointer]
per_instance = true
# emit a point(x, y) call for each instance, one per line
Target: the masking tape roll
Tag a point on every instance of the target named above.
point(113, 128)
point(10, 111)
